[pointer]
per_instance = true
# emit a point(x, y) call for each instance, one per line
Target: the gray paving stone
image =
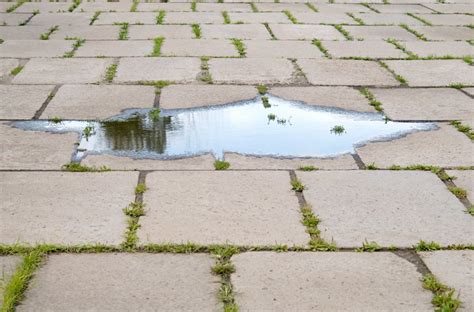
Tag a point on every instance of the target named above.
point(280, 7)
point(126, 17)
point(219, 7)
point(239, 161)
point(372, 49)
point(9, 19)
point(115, 48)
point(178, 69)
point(169, 282)
point(401, 8)
point(22, 32)
point(30, 150)
point(244, 208)
point(98, 102)
point(234, 31)
point(346, 72)
point(22, 102)
point(65, 208)
point(380, 33)
point(305, 32)
point(323, 18)
point(7, 268)
point(401, 208)
point(192, 96)
point(315, 281)
point(258, 18)
point(452, 149)
point(168, 7)
point(194, 18)
point(52, 19)
point(437, 73)
point(202, 47)
point(425, 104)
point(34, 48)
point(43, 7)
point(106, 32)
point(6, 66)
point(451, 7)
point(465, 180)
point(448, 19)
point(455, 269)
point(55, 71)
point(87, 6)
point(204, 162)
point(339, 7)
point(155, 31)
point(440, 49)
point(251, 71)
point(387, 19)
point(282, 49)
point(445, 32)
point(340, 97)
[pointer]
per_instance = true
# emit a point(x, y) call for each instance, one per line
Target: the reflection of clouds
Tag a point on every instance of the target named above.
point(241, 128)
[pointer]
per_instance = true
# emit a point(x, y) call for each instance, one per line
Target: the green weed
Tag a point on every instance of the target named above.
point(239, 45)
point(308, 168)
point(427, 246)
point(75, 167)
point(15, 71)
point(110, 72)
point(160, 18)
point(141, 188)
point(297, 186)
point(338, 129)
point(262, 89)
point(221, 165)
point(154, 114)
point(196, 31)
point(158, 42)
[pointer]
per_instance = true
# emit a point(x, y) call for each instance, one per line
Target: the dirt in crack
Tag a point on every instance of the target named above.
point(263, 127)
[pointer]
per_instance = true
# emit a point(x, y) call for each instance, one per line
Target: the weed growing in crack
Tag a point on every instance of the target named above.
point(427, 23)
point(141, 188)
point(55, 119)
point(400, 47)
point(470, 210)
point(46, 35)
point(270, 31)
point(457, 85)
point(226, 17)
point(369, 247)
point(15, 71)
point(262, 89)
point(371, 166)
point(221, 165)
point(372, 101)
point(135, 210)
point(15, 6)
point(308, 168)
point(297, 186)
point(110, 72)
point(344, 32)
point(75, 167)
point(312, 7)
point(356, 19)
point(254, 7)
point(160, 18)
point(414, 32)
point(291, 17)
point(133, 8)
point(196, 31)
point(463, 128)
point(224, 268)
point(123, 32)
point(158, 42)
point(400, 78)
point(239, 45)
point(74, 5)
point(442, 295)
point(321, 48)
point(427, 246)
point(76, 45)
point(95, 17)
point(207, 78)
point(193, 6)
point(458, 192)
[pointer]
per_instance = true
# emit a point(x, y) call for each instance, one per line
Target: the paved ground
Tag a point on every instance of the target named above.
point(352, 240)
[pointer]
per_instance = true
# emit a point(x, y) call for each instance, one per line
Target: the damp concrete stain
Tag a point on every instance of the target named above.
point(283, 129)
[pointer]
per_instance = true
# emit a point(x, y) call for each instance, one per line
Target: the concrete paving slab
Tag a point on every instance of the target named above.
point(106, 32)
point(407, 207)
point(22, 32)
point(43, 7)
point(401, 8)
point(454, 268)
point(219, 7)
point(204, 162)
point(452, 149)
point(280, 7)
point(168, 7)
point(31, 150)
point(374, 33)
point(315, 281)
point(244, 208)
point(323, 18)
point(234, 31)
point(126, 17)
point(346, 72)
point(465, 180)
point(440, 49)
point(345, 7)
point(8, 265)
point(52, 19)
point(91, 102)
point(371, 49)
point(251, 71)
point(22, 102)
point(9, 19)
point(178, 69)
point(447, 19)
point(339, 97)
point(387, 19)
point(87, 6)
point(59, 71)
point(451, 7)
point(305, 32)
point(445, 32)
point(155, 31)
point(192, 96)
point(64, 207)
point(104, 282)
point(258, 18)
point(239, 161)
point(115, 48)
point(6, 66)
point(425, 103)
point(35, 48)
point(281, 49)
point(434, 73)
point(194, 18)
point(202, 47)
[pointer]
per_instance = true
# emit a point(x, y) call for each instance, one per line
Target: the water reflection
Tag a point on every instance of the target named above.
point(286, 129)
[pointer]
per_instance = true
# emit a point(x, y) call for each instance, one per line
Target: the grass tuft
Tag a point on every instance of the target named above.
point(226, 17)
point(291, 17)
point(74, 5)
point(160, 18)
point(221, 165)
point(95, 17)
point(15, 71)
point(400, 78)
point(196, 31)
point(193, 6)
point(312, 7)
point(464, 129)
point(141, 188)
point(344, 32)
point(158, 42)
point(458, 192)
point(369, 247)
point(110, 72)
point(357, 19)
point(372, 101)
point(254, 7)
point(321, 48)
point(239, 45)
point(46, 35)
point(308, 168)
point(297, 186)
point(78, 43)
point(442, 295)
point(427, 246)
point(262, 89)
point(414, 32)
point(123, 33)
point(75, 167)
point(135, 210)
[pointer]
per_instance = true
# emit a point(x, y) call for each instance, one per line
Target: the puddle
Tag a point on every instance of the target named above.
point(286, 129)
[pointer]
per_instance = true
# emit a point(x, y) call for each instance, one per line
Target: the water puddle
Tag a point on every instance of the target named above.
point(281, 129)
